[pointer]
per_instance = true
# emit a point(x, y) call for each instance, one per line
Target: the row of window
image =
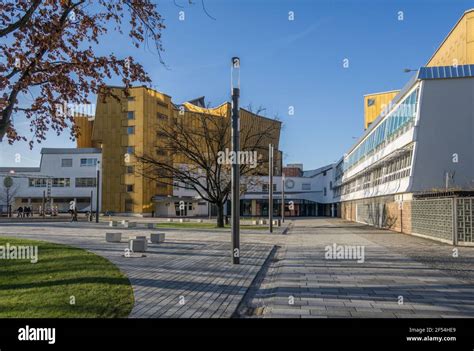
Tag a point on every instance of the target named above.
point(403, 115)
point(391, 170)
point(62, 182)
point(84, 162)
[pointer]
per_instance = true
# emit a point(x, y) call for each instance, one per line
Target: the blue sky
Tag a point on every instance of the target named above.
point(286, 63)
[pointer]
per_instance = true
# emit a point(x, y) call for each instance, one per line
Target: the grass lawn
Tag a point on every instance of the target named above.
point(194, 225)
point(44, 289)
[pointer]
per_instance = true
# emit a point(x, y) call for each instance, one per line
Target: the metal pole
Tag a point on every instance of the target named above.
point(270, 191)
point(283, 197)
point(97, 195)
point(235, 196)
point(9, 210)
point(44, 203)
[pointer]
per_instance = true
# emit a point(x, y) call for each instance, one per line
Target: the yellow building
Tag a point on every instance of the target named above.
point(124, 126)
point(458, 46)
point(375, 103)
point(456, 49)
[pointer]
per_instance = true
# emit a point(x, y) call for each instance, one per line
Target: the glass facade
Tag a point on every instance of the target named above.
point(398, 118)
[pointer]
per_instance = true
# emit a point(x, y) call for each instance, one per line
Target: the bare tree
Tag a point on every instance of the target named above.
point(195, 153)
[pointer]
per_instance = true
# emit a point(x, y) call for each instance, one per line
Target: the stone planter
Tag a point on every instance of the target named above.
point(138, 245)
point(113, 237)
point(157, 238)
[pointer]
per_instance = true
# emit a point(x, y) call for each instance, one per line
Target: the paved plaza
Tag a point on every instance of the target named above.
point(281, 275)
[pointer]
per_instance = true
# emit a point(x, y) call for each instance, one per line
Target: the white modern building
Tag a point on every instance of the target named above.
point(310, 194)
point(413, 168)
point(63, 175)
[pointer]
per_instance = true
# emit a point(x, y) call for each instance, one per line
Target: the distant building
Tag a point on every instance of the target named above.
point(63, 175)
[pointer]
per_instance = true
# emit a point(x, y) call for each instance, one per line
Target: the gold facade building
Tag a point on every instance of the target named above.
point(124, 126)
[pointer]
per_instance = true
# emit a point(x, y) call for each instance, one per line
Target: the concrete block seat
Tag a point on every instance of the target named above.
point(157, 238)
point(113, 237)
point(138, 245)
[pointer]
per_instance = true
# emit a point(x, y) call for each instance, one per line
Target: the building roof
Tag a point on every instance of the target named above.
point(314, 172)
point(424, 73)
point(85, 150)
point(17, 170)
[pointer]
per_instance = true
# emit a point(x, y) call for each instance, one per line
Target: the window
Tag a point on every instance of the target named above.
point(396, 122)
point(325, 191)
point(306, 186)
point(37, 182)
point(131, 115)
point(265, 188)
point(128, 205)
point(131, 130)
point(176, 186)
point(161, 152)
point(66, 162)
point(88, 162)
point(131, 98)
point(61, 182)
point(161, 116)
point(130, 169)
point(129, 188)
point(130, 150)
point(86, 182)
point(370, 102)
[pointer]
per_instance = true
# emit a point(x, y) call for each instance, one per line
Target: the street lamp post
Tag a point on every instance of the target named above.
point(97, 193)
point(235, 196)
point(270, 187)
point(282, 197)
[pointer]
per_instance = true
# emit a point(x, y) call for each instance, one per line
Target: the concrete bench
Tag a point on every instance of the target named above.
point(262, 222)
point(199, 220)
point(132, 224)
point(150, 225)
point(113, 237)
point(182, 220)
point(157, 238)
point(141, 237)
point(137, 245)
point(170, 219)
point(254, 222)
point(277, 222)
point(113, 223)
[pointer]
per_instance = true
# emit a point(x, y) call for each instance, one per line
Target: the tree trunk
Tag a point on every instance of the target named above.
point(220, 215)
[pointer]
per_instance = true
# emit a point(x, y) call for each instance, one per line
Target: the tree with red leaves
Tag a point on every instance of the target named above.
point(47, 57)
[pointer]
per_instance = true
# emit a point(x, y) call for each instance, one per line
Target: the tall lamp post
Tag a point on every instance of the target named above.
point(235, 196)
point(270, 187)
point(97, 192)
point(282, 197)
